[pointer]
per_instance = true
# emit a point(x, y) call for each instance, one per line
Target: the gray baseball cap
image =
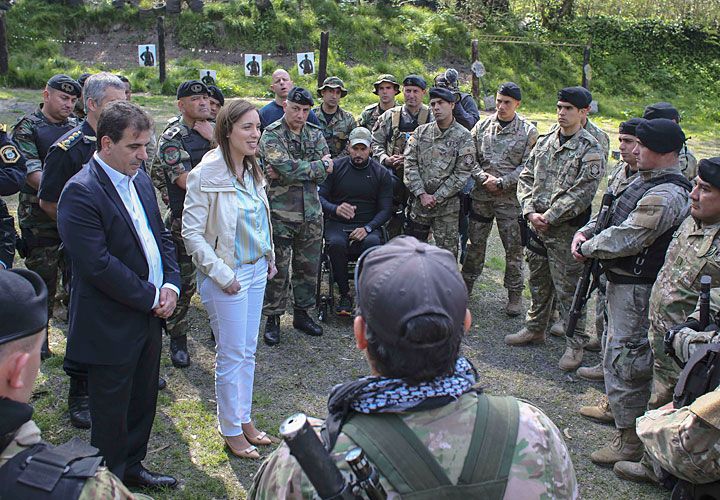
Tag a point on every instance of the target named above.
point(360, 135)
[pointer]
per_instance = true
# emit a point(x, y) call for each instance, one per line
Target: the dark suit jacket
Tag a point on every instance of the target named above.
point(111, 299)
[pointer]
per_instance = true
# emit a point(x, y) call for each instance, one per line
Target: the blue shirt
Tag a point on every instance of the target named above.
point(272, 112)
point(252, 235)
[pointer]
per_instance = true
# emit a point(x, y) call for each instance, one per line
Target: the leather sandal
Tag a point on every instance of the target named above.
point(249, 452)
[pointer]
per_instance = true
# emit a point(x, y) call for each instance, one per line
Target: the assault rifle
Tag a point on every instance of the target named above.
point(591, 271)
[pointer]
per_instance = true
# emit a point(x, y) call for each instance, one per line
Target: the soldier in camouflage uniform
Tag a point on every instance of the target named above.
point(12, 178)
point(386, 88)
point(389, 138)
point(34, 134)
point(335, 123)
point(409, 279)
point(439, 158)
point(688, 162)
point(503, 143)
point(181, 147)
point(555, 191)
point(297, 159)
point(631, 250)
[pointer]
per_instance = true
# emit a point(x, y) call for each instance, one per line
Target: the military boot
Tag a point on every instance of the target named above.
point(525, 336)
point(571, 359)
point(272, 330)
point(79, 404)
point(179, 352)
point(625, 446)
point(601, 412)
point(594, 344)
point(592, 373)
point(635, 472)
point(557, 329)
point(514, 304)
point(303, 322)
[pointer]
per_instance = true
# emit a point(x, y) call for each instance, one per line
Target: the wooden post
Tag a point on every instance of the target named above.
point(322, 69)
point(586, 62)
point(161, 47)
point(475, 80)
point(3, 46)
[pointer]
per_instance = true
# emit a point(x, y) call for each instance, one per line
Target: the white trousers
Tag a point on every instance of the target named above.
point(235, 322)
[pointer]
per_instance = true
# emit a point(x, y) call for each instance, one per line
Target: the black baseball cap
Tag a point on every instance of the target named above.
point(64, 83)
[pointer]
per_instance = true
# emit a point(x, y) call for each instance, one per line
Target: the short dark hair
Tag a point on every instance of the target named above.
point(118, 116)
point(428, 350)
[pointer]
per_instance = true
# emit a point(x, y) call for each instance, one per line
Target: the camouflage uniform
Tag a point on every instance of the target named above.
point(693, 252)
point(438, 162)
point(34, 135)
point(558, 182)
point(541, 467)
point(156, 172)
point(501, 152)
point(180, 149)
point(688, 163)
point(12, 177)
point(295, 212)
point(337, 131)
point(599, 134)
point(627, 363)
point(370, 115)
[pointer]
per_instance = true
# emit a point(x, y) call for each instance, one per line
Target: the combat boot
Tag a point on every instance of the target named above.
point(525, 336)
point(79, 403)
point(601, 412)
point(272, 330)
point(635, 472)
point(571, 359)
point(557, 329)
point(625, 446)
point(179, 352)
point(594, 345)
point(303, 322)
point(592, 373)
point(514, 304)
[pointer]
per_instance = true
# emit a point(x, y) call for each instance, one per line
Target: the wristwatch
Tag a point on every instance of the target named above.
point(499, 183)
point(326, 164)
point(368, 229)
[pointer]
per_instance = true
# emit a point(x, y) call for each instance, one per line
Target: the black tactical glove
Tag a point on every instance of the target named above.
point(691, 323)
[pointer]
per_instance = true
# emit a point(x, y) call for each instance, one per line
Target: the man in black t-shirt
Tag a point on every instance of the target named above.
point(357, 200)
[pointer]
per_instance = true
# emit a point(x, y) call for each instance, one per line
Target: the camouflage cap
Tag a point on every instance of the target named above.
point(387, 78)
point(404, 279)
point(215, 93)
point(661, 110)
point(23, 304)
point(191, 88)
point(299, 95)
point(333, 82)
point(64, 83)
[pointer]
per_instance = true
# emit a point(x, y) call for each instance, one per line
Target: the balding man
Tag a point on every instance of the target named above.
point(273, 111)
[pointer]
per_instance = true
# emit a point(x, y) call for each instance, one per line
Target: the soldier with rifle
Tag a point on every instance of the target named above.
point(631, 251)
point(420, 419)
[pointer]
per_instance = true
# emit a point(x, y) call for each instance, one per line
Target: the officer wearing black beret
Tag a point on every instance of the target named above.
point(217, 100)
point(687, 159)
point(302, 96)
point(581, 98)
point(12, 178)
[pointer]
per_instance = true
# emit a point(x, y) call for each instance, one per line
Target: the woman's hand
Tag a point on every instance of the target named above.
point(272, 270)
point(232, 288)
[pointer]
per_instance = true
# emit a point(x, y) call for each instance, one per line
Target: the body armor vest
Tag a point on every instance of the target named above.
point(196, 146)
point(45, 135)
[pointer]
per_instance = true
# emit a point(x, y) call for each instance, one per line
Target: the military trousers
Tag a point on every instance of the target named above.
point(558, 272)
point(628, 359)
point(506, 212)
point(298, 244)
point(444, 229)
point(49, 264)
point(177, 324)
point(665, 371)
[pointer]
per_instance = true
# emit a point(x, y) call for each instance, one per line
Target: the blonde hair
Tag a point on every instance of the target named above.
point(226, 119)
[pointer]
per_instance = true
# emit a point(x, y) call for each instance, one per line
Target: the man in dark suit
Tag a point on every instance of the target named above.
point(124, 285)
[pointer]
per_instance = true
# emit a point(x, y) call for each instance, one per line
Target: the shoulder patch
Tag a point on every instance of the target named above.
point(70, 140)
point(170, 154)
point(9, 154)
point(171, 132)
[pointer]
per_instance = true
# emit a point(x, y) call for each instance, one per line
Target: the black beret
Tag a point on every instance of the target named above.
point(23, 304)
point(299, 95)
point(661, 110)
point(216, 94)
point(510, 89)
point(81, 79)
point(580, 97)
point(628, 127)
point(709, 171)
point(192, 87)
point(660, 135)
point(444, 94)
point(64, 83)
point(415, 80)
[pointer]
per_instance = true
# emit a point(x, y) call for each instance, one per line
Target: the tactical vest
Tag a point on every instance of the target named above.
point(196, 146)
point(644, 267)
point(406, 463)
point(44, 136)
point(402, 129)
point(45, 471)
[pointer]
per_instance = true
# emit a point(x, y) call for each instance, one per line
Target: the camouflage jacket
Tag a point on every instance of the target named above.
point(618, 179)
point(693, 251)
point(541, 466)
point(595, 131)
point(336, 132)
point(688, 163)
point(387, 139)
point(560, 181)
point(660, 208)
point(156, 172)
point(501, 152)
point(104, 485)
point(297, 159)
point(370, 115)
point(438, 162)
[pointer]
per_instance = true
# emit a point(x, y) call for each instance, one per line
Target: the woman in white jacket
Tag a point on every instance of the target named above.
point(227, 231)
